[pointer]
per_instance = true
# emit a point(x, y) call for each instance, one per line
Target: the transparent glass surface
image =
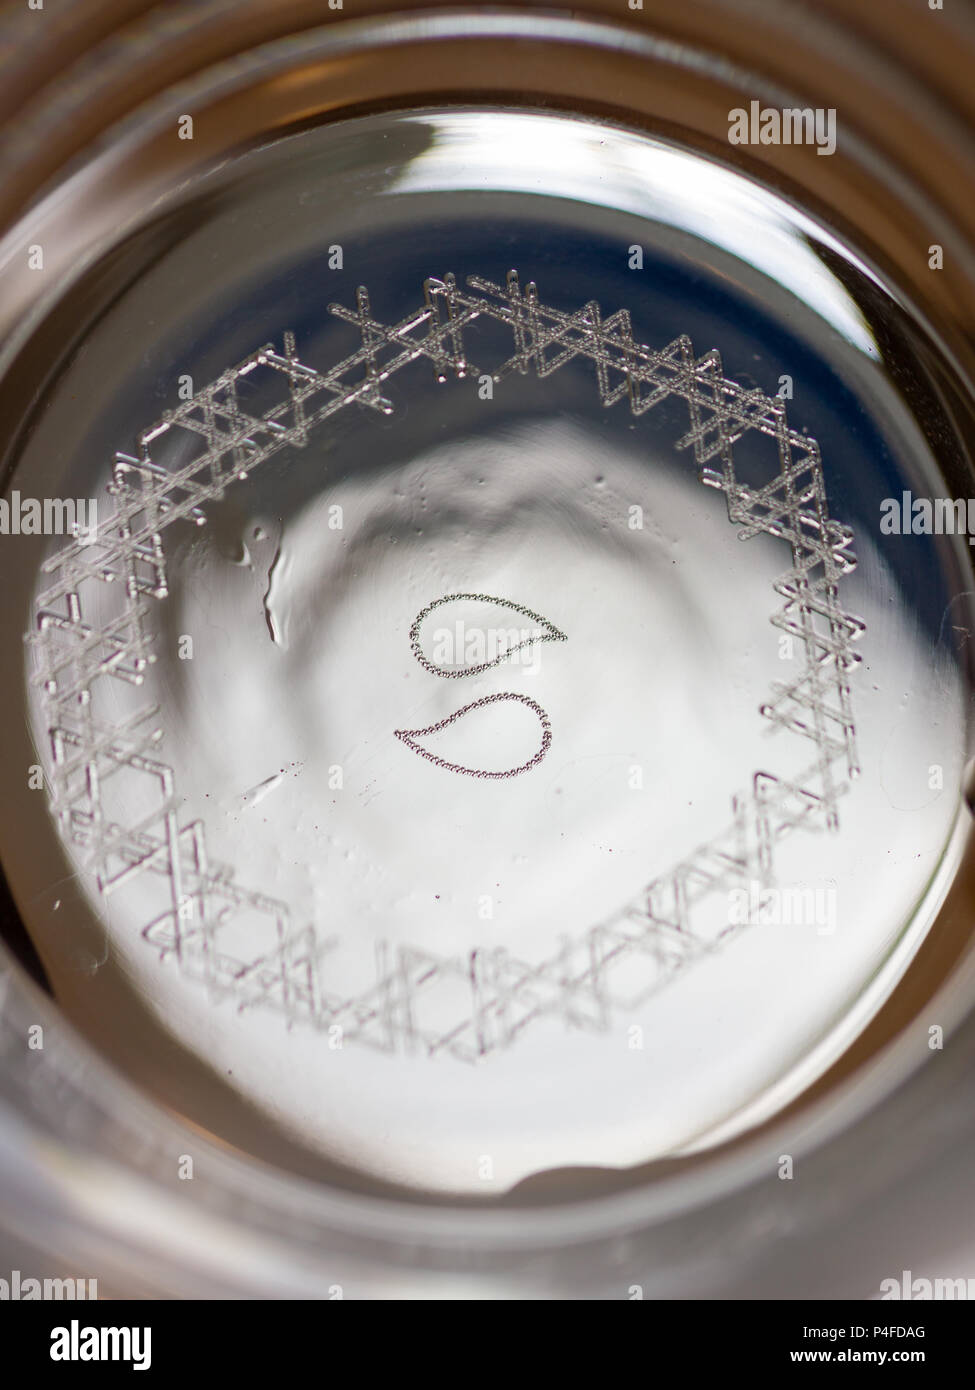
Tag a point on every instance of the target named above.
point(484, 725)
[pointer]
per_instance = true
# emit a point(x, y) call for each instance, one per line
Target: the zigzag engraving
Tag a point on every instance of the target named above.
point(470, 1005)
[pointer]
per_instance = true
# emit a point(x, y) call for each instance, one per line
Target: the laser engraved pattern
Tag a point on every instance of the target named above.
point(490, 995)
point(548, 634)
point(410, 737)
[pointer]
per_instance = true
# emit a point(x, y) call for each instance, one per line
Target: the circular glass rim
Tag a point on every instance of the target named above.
point(699, 1181)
